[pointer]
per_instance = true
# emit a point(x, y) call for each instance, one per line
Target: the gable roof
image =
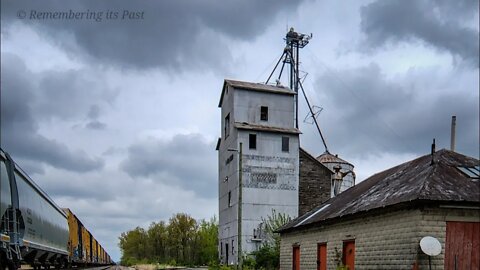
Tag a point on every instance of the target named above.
point(312, 158)
point(416, 180)
point(254, 87)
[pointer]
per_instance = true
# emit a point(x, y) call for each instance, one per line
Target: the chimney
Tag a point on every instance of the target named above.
point(433, 152)
point(452, 133)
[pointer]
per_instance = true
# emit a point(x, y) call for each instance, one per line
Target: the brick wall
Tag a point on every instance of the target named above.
point(388, 240)
point(314, 183)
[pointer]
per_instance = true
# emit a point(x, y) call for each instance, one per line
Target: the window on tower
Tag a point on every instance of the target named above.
point(229, 199)
point(285, 144)
point(252, 141)
point(264, 113)
point(227, 125)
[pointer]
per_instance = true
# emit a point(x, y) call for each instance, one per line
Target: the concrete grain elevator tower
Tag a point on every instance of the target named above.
point(258, 155)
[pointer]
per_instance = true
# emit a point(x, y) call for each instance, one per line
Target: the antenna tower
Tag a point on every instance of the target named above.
point(291, 56)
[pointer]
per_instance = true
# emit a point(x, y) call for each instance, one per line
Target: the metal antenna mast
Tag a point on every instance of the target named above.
point(291, 56)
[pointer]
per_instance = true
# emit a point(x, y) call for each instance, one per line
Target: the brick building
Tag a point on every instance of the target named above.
point(315, 182)
point(379, 223)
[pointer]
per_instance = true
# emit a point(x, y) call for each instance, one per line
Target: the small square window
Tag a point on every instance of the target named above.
point(252, 141)
point(285, 144)
point(264, 113)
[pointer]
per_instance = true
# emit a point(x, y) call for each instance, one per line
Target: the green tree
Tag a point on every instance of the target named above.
point(157, 241)
point(182, 228)
point(208, 242)
point(268, 256)
point(182, 240)
point(133, 245)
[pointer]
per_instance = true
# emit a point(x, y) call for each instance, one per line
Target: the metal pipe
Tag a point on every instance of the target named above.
point(452, 133)
point(311, 111)
point(281, 57)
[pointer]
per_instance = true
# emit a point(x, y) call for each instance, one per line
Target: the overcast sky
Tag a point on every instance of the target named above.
point(114, 114)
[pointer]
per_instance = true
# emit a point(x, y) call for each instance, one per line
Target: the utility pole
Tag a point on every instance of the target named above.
point(239, 240)
point(239, 209)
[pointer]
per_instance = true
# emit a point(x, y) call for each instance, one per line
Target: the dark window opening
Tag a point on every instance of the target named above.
point(229, 159)
point(227, 126)
point(233, 251)
point(285, 144)
point(252, 141)
point(229, 199)
point(264, 113)
point(226, 252)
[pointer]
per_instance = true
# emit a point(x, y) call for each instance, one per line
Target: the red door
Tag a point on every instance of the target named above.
point(462, 245)
point(349, 254)
point(322, 256)
point(296, 258)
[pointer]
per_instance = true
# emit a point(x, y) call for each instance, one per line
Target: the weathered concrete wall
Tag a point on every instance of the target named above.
point(280, 108)
point(314, 183)
point(382, 241)
point(228, 169)
point(260, 197)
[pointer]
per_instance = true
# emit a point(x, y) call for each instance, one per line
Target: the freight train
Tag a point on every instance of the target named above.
point(35, 231)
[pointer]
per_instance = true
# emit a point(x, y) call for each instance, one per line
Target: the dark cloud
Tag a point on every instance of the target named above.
point(19, 122)
point(366, 112)
point(93, 112)
point(443, 25)
point(96, 125)
point(186, 161)
point(176, 35)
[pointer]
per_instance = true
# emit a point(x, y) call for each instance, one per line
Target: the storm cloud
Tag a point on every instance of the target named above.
point(445, 25)
point(370, 112)
point(118, 118)
point(187, 161)
point(174, 35)
point(22, 106)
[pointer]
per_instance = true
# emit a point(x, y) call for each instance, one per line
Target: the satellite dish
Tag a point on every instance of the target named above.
point(430, 246)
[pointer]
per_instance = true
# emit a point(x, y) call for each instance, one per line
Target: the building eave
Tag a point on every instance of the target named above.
point(254, 127)
point(258, 87)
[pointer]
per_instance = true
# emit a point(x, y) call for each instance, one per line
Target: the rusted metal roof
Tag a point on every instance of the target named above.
point(329, 158)
point(249, 126)
point(255, 87)
point(415, 181)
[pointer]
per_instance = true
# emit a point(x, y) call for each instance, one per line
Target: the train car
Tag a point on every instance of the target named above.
point(76, 254)
point(84, 249)
point(94, 250)
point(35, 231)
point(5, 209)
point(36, 227)
point(86, 246)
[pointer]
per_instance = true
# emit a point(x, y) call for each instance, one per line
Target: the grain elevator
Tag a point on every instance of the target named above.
point(259, 148)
